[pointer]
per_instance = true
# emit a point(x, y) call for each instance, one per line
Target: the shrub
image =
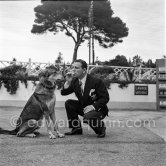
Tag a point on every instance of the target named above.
point(108, 76)
point(9, 77)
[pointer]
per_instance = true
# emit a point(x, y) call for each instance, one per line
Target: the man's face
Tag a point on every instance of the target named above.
point(79, 72)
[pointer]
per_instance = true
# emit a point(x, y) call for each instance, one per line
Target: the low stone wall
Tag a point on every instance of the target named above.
point(119, 98)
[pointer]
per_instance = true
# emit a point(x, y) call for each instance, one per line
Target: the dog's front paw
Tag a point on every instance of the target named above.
point(32, 135)
point(52, 136)
point(61, 135)
point(18, 134)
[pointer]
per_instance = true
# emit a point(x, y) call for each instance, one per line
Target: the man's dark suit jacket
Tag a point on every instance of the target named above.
point(95, 93)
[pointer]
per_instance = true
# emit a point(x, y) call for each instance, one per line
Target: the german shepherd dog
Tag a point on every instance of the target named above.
point(40, 104)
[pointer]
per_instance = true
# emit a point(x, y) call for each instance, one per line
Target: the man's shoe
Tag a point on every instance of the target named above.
point(76, 131)
point(102, 133)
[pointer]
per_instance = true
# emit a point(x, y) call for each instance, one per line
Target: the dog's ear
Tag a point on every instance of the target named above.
point(52, 67)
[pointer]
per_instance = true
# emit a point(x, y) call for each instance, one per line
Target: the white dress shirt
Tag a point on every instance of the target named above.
point(83, 81)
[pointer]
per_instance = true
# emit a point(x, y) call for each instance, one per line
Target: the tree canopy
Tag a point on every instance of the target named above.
point(120, 60)
point(137, 60)
point(71, 17)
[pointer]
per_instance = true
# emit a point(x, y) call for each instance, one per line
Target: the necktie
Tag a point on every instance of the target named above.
point(81, 86)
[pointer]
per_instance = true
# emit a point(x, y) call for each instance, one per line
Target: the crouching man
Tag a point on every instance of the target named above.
point(92, 100)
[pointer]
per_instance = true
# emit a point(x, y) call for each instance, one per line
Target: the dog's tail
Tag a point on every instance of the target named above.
point(8, 132)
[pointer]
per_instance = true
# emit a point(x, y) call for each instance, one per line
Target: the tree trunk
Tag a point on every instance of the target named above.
point(93, 50)
point(75, 52)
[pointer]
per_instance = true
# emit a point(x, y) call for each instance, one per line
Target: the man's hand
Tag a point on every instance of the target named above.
point(88, 109)
point(69, 77)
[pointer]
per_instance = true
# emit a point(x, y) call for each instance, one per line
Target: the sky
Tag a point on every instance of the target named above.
point(144, 18)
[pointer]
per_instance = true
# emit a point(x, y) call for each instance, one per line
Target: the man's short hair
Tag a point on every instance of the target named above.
point(83, 63)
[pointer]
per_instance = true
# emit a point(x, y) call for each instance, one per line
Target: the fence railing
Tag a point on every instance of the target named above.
point(33, 68)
